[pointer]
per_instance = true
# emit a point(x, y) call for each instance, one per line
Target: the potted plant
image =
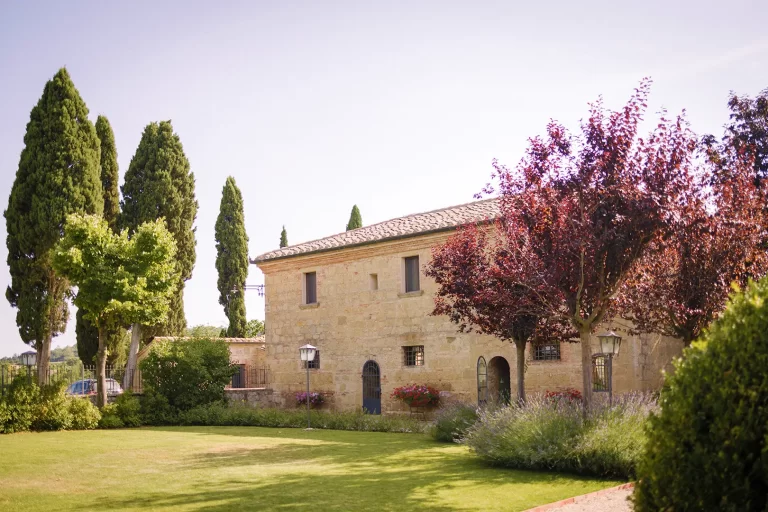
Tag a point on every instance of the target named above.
point(417, 395)
point(315, 399)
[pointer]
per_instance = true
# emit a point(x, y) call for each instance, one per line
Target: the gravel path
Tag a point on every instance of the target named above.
point(615, 501)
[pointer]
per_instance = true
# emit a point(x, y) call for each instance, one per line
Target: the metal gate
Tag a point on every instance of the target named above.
point(371, 388)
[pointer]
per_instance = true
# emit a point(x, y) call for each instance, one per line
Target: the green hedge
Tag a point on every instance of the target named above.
point(453, 422)
point(708, 447)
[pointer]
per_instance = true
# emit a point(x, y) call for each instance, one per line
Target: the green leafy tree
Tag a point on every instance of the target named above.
point(87, 334)
point(254, 328)
point(283, 238)
point(355, 220)
point(159, 184)
point(232, 257)
point(58, 174)
point(119, 280)
point(204, 331)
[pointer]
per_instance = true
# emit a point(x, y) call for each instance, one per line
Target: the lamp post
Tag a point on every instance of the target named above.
point(29, 359)
point(307, 353)
point(610, 343)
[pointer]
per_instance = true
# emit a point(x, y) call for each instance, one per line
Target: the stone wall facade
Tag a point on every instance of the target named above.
point(359, 318)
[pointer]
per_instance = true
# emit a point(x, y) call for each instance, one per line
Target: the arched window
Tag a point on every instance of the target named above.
point(482, 381)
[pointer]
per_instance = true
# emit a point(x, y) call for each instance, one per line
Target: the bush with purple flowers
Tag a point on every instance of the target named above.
point(315, 399)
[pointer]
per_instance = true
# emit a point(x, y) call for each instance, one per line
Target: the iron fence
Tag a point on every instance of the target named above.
point(80, 379)
point(248, 377)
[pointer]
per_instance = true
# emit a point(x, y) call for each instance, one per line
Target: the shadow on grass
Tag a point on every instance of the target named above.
point(332, 470)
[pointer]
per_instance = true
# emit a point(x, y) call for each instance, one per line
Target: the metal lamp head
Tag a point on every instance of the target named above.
point(307, 352)
point(29, 358)
point(610, 342)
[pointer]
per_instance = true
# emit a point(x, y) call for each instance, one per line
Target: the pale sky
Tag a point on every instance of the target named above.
point(398, 107)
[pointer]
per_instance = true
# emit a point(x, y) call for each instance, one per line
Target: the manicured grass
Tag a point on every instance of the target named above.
point(249, 468)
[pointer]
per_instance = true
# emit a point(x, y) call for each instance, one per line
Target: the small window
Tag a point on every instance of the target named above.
point(310, 288)
point(412, 274)
point(413, 356)
point(374, 282)
point(313, 364)
point(546, 352)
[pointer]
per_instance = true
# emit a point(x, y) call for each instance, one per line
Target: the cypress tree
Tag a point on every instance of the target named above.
point(58, 174)
point(87, 334)
point(355, 220)
point(158, 183)
point(232, 257)
point(283, 238)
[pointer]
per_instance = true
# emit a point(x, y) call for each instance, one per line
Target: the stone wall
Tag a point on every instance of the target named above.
point(253, 397)
point(353, 323)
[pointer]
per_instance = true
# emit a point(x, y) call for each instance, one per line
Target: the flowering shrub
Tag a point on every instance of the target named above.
point(416, 395)
point(569, 395)
point(315, 399)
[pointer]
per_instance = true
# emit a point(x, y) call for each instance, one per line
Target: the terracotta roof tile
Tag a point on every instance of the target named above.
point(401, 227)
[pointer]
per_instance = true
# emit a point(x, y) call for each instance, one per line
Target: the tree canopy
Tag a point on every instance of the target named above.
point(232, 257)
point(159, 184)
point(355, 220)
point(120, 280)
point(58, 174)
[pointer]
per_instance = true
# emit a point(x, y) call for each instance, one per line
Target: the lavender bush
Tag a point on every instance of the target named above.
point(557, 436)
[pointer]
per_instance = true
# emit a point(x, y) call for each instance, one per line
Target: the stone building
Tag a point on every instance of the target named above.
point(362, 298)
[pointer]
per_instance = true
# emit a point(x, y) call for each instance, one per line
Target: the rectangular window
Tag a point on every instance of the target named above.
point(546, 352)
point(374, 281)
point(412, 274)
point(413, 356)
point(313, 364)
point(310, 288)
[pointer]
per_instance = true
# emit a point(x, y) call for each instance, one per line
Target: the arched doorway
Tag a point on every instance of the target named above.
point(482, 381)
point(371, 388)
point(499, 389)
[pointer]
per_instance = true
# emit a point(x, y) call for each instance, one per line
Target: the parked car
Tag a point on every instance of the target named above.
point(89, 387)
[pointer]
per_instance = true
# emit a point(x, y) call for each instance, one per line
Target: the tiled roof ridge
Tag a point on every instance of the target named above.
point(336, 241)
point(256, 339)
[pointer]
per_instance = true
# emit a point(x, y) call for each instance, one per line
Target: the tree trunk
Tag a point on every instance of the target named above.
point(133, 351)
point(586, 366)
point(520, 346)
point(43, 360)
point(101, 367)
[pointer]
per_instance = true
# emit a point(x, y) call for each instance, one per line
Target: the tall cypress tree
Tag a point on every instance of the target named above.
point(232, 257)
point(87, 334)
point(355, 220)
point(158, 183)
point(58, 174)
point(283, 238)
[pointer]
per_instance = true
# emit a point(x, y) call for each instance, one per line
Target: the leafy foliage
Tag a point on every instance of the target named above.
point(254, 328)
point(159, 184)
point(707, 448)
point(232, 257)
point(543, 435)
point(119, 280)
point(128, 409)
point(579, 212)
point(283, 238)
point(452, 422)
point(85, 415)
point(110, 418)
point(58, 174)
point(355, 220)
point(204, 331)
point(188, 373)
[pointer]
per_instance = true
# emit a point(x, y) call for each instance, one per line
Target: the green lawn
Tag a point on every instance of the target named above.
point(248, 468)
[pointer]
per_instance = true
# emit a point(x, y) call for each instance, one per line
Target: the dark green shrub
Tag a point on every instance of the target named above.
point(155, 410)
point(109, 417)
point(128, 409)
point(85, 415)
point(453, 421)
point(188, 373)
point(51, 410)
point(556, 436)
point(221, 414)
point(708, 447)
point(20, 401)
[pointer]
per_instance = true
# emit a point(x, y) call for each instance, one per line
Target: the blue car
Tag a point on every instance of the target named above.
point(89, 387)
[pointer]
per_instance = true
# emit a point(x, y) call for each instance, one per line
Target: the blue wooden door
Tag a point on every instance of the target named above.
point(371, 388)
